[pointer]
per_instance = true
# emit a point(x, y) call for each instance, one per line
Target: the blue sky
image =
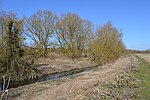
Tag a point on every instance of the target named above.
point(131, 16)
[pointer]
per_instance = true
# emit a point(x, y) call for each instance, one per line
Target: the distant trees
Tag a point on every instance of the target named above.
point(40, 27)
point(107, 45)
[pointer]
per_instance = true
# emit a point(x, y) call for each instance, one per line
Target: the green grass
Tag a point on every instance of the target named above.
point(132, 84)
point(144, 76)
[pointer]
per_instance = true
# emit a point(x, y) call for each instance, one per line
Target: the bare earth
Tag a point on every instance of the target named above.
point(75, 87)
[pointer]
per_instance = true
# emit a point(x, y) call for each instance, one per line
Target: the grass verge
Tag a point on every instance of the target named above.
point(131, 84)
point(144, 76)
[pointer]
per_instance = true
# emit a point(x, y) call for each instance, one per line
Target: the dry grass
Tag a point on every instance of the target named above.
point(78, 87)
point(145, 56)
point(62, 63)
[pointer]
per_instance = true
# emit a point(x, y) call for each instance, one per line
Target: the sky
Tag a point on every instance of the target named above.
point(131, 16)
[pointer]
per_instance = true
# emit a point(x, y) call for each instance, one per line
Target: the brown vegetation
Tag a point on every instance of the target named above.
point(78, 87)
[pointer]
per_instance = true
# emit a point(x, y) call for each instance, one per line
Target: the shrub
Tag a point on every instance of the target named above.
point(12, 61)
point(107, 44)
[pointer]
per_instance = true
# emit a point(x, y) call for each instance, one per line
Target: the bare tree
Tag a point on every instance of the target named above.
point(85, 35)
point(40, 27)
point(72, 33)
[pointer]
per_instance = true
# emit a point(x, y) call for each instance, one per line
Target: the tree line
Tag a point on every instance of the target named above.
point(69, 34)
point(73, 35)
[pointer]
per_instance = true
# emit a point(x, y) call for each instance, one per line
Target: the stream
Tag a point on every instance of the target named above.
point(52, 76)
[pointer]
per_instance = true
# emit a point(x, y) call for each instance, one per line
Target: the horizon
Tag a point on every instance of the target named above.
point(129, 16)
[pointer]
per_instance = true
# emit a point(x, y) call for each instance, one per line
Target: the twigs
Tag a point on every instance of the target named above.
point(4, 92)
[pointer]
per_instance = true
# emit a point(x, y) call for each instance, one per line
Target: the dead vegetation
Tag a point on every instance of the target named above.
point(124, 86)
point(76, 87)
point(144, 56)
point(61, 63)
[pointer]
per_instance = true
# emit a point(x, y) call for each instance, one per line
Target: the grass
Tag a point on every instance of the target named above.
point(132, 84)
point(144, 76)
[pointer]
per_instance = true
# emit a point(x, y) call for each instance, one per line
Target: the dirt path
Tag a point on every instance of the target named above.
point(75, 87)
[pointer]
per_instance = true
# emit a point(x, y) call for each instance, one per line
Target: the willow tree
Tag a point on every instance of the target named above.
point(107, 44)
point(40, 27)
point(72, 34)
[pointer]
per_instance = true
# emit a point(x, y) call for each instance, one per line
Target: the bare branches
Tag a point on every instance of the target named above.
point(72, 33)
point(40, 27)
point(4, 90)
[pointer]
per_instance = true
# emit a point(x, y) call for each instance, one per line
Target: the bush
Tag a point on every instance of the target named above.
point(12, 60)
point(107, 44)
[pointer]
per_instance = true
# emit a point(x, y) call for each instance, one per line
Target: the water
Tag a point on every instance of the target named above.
point(14, 84)
point(66, 73)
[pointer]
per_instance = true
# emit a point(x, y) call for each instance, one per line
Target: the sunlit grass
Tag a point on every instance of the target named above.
point(144, 77)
